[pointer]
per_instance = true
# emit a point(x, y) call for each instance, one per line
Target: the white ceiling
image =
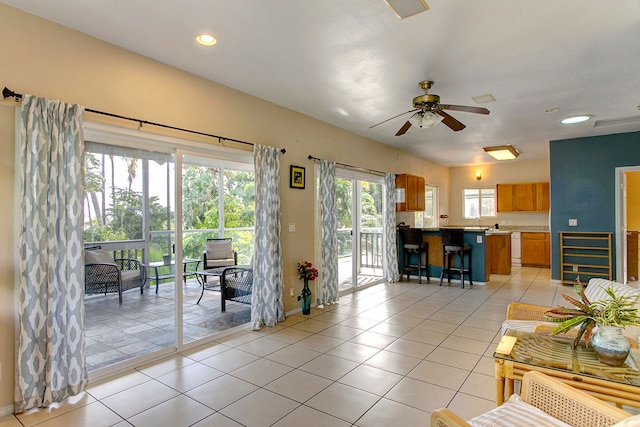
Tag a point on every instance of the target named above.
point(353, 63)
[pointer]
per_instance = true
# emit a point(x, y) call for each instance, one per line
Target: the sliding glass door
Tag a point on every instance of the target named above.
point(218, 201)
point(149, 208)
point(360, 215)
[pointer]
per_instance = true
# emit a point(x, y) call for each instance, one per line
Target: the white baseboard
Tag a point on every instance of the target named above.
point(7, 410)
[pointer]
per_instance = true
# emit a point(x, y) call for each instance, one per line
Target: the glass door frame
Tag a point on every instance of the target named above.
point(356, 178)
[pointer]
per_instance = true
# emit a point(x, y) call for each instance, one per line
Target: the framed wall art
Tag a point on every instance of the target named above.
point(296, 177)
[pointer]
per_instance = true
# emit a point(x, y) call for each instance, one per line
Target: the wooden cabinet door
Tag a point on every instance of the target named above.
point(542, 196)
point(413, 187)
point(535, 249)
point(419, 193)
point(505, 198)
point(499, 253)
point(525, 197)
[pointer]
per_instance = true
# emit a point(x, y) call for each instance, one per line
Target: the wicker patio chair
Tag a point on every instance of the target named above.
point(236, 284)
point(103, 274)
point(555, 399)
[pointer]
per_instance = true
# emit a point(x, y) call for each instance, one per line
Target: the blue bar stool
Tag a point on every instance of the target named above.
point(412, 243)
point(452, 245)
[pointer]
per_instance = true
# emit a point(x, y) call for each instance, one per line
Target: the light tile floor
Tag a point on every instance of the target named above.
point(386, 355)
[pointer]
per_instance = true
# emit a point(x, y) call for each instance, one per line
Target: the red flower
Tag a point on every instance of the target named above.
point(306, 271)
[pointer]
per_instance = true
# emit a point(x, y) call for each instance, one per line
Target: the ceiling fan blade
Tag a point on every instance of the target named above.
point(394, 117)
point(468, 109)
point(405, 127)
point(452, 122)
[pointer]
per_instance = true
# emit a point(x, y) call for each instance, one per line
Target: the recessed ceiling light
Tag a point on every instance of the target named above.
point(552, 110)
point(206, 39)
point(574, 119)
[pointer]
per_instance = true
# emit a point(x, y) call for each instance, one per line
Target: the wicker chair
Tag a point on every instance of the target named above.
point(554, 398)
point(103, 274)
point(236, 284)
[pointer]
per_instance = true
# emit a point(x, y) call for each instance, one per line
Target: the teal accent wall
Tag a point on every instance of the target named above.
point(582, 185)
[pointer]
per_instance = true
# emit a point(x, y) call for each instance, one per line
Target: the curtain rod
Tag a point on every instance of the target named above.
point(8, 93)
point(350, 166)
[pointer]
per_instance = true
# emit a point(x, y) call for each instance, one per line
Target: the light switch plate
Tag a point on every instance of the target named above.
point(292, 226)
point(573, 222)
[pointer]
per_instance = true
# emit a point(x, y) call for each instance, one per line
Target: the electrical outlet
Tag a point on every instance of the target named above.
point(573, 222)
point(291, 292)
point(478, 239)
point(575, 268)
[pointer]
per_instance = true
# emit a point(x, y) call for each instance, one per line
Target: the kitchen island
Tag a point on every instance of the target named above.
point(482, 256)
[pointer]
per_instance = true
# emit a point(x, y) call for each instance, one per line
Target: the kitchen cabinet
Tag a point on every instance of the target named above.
point(525, 197)
point(409, 193)
point(535, 249)
point(499, 253)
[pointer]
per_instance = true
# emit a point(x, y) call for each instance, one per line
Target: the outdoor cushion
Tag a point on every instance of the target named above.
point(219, 250)
point(515, 412)
point(129, 274)
point(98, 256)
point(219, 262)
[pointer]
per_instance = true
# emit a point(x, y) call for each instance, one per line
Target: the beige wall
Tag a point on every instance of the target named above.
point(45, 59)
point(492, 174)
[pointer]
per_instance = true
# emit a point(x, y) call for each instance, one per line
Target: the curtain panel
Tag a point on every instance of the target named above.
point(390, 229)
point(267, 306)
point(50, 346)
point(327, 288)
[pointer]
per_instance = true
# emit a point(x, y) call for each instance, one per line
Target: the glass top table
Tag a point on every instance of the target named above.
point(554, 356)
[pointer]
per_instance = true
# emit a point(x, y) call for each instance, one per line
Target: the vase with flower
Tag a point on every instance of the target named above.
point(306, 272)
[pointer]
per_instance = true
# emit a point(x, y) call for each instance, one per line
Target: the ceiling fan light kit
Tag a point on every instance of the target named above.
point(406, 8)
point(428, 112)
point(502, 152)
point(425, 120)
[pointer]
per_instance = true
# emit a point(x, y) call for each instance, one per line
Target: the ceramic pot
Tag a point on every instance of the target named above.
point(611, 347)
point(305, 297)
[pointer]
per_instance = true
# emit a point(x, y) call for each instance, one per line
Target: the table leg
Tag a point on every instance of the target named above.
point(203, 281)
point(499, 382)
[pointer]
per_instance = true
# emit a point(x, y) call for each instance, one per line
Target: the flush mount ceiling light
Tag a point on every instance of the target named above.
point(206, 39)
point(425, 120)
point(406, 8)
point(502, 152)
point(575, 119)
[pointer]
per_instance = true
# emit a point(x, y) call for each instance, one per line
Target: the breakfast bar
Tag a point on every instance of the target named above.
point(482, 256)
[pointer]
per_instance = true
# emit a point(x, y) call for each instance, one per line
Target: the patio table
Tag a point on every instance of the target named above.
point(186, 271)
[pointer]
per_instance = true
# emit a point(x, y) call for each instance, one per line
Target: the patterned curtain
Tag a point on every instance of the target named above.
point(390, 232)
point(327, 288)
point(267, 306)
point(50, 347)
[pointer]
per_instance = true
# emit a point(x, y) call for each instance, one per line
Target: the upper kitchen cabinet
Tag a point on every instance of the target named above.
point(527, 197)
point(409, 193)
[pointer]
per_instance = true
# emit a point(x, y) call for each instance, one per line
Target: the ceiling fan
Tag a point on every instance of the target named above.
point(429, 112)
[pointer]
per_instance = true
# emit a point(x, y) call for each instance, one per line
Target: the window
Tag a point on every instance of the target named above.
point(428, 218)
point(479, 202)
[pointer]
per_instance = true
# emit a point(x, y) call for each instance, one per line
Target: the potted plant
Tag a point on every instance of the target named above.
point(610, 315)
